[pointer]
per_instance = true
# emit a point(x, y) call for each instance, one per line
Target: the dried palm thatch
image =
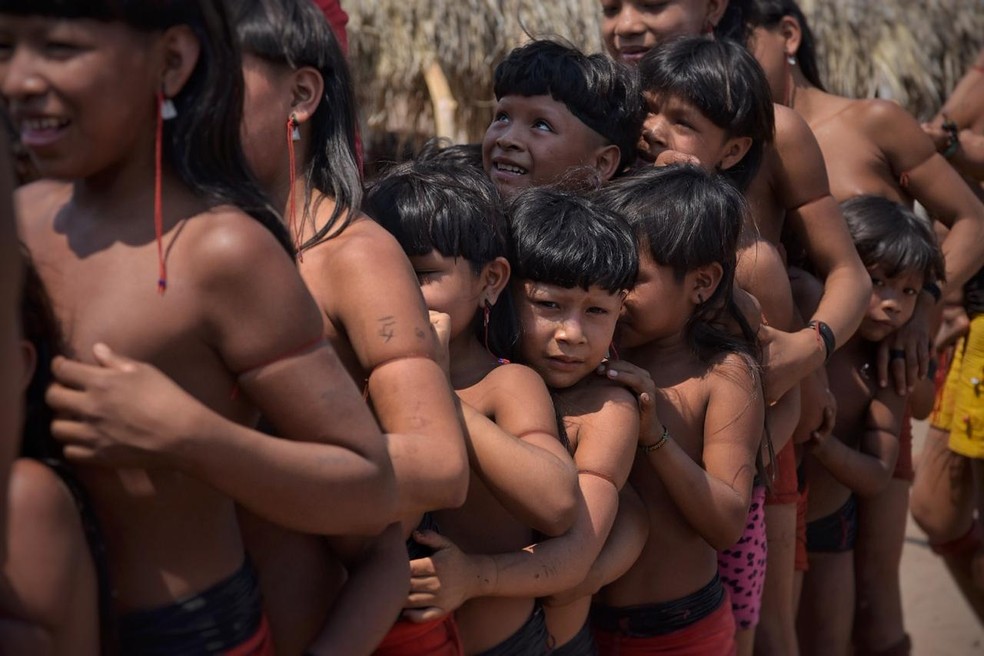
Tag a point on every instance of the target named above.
point(913, 51)
point(395, 41)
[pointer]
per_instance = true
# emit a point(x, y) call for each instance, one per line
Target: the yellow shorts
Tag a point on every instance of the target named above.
point(960, 406)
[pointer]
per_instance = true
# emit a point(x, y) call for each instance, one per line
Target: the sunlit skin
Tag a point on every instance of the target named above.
point(893, 300)
point(566, 332)
point(630, 28)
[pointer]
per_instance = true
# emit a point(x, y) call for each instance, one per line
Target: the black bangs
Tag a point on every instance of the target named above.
point(599, 91)
point(566, 240)
point(435, 205)
point(890, 235)
point(139, 14)
point(722, 80)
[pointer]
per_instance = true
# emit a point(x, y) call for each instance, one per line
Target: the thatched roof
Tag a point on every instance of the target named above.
point(394, 41)
point(911, 50)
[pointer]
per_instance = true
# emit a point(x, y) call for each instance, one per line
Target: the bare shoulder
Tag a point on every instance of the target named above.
point(597, 400)
point(223, 243)
point(36, 492)
point(791, 129)
point(736, 370)
point(513, 383)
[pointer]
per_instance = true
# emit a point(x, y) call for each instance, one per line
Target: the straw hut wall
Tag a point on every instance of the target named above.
point(913, 51)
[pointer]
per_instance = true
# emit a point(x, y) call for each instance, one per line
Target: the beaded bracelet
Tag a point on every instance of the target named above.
point(658, 444)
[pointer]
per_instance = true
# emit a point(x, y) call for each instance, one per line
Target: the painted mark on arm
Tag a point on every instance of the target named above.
point(386, 328)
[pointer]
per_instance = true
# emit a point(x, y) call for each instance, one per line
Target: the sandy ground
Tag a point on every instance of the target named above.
point(936, 616)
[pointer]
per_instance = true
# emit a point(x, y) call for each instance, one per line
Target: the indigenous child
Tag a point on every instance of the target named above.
point(299, 127)
point(702, 383)
point(229, 313)
point(874, 147)
point(686, 115)
point(790, 186)
point(450, 223)
point(559, 113)
point(49, 598)
point(572, 262)
point(858, 456)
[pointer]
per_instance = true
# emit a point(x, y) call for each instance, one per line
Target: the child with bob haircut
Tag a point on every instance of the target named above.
point(572, 263)
point(449, 221)
point(558, 109)
point(688, 116)
point(855, 454)
point(701, 409)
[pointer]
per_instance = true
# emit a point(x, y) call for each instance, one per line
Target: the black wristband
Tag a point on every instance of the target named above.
point(933, 290)
point(827, 335)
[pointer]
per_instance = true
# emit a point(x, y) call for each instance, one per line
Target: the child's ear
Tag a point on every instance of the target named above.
point(181, 50)
point(307, 90)
point(735, 149)
point(704, 281)
point(792, 33)
point(715, 11)
point(495, 277)
point(606, 160)
point(29, 358)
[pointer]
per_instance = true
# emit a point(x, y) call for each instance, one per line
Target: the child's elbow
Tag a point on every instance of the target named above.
point(729, 531)
point(875, 484)
point(451, 482)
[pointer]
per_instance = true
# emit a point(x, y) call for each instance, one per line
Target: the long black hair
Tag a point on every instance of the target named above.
point(743, 16)
point(202, 143)
point(295, 33)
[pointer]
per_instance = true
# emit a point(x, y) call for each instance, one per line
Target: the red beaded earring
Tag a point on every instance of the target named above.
point(165, 112)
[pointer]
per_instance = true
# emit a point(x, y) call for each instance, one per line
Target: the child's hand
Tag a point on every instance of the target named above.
point(118, 412)
point(441, 583)
point(905, 353)
point(639, 381)
point(669, 157)
point(953, 326)
point(821, 436)
point(441, 324)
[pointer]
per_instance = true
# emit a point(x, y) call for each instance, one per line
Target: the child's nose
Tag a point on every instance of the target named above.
point(19, 78)
point(571, 331)
point(629, 21)
point(654, 131)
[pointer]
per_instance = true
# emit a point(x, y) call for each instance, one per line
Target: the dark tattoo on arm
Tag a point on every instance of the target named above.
point(386, 328)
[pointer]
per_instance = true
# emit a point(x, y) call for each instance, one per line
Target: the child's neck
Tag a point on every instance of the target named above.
point(674, 345)
point(124, 193)
point(469, 361)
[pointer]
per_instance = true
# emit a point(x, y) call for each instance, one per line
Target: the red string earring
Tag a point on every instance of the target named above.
point(293, 134)
point(165, 111)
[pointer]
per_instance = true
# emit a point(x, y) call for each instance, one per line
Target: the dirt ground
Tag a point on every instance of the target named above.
point(936, 616)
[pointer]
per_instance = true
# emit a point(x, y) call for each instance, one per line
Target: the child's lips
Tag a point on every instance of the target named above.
point(509, 168)
point(38, 131)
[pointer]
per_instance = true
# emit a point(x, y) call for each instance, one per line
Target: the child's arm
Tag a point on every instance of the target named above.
point(519, 456)
point(814, 215)
point(332, 476)
point(373, 594)
point(376, 300)
point(714, 498)
point(868, 470)
point(929, 179)
point(606, 447)
point(625, 542)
